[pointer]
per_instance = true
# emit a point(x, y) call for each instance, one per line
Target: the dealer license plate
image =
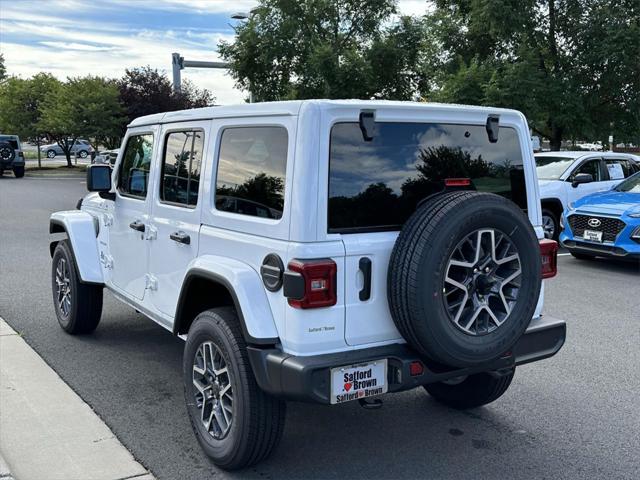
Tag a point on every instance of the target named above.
point(592, 235)
point(354, 382)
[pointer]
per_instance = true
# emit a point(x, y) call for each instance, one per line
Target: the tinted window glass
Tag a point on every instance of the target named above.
point(251, 171)
point(592, 167)
point(552, 168)
point(630, 185)
point(181, 167)
point(376, 185)
point(133, 177)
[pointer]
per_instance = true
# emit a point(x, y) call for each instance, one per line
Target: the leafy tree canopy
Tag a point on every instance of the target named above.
point(81, 107)
point(3, 68)
point(292, 49)
point(145, 91)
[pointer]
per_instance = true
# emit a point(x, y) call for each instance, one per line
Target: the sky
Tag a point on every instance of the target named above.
point(104, 37)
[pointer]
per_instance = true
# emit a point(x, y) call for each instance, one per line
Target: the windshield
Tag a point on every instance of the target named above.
point(552, 168)
point(630, 185)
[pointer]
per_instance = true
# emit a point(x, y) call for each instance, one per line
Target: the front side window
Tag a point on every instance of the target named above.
point(251, 171)
point(133, 177)
point(181, 167)
point(376, 185)
point(592, 167)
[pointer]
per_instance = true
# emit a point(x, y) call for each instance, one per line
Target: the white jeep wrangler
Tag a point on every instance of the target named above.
point(320, 251)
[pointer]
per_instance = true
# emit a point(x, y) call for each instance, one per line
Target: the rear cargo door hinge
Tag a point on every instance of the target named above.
point(106, 261)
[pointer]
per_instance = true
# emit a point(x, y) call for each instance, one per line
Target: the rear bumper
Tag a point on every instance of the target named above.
point(308, 378)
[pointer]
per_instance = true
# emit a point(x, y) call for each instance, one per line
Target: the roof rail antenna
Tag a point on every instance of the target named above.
point(367, 124)
point(493, 127)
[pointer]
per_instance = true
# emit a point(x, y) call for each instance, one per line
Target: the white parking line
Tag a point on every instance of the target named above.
point(563, 254)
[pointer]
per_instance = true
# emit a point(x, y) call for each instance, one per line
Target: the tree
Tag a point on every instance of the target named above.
point(81, 107)
point(3, 68)
point(144, 91)
point(292, 49)
point(571, 66)
point(21, 105)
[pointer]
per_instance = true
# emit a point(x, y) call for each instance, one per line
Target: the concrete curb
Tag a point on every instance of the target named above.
point(46, 429)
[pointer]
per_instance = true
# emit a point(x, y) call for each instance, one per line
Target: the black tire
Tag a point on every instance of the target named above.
point(582, 256)
point(83, 154)
point(51, 154)
point(7, 152)
point(257, 418)
point(555, 222)
point(474, 391)
point(418, 267)
point(18, 172)
point(83, 311)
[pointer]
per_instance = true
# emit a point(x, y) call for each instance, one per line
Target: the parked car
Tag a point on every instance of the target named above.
point(11, 155)
point(565, 177)
point(106, 157)
point(320, 251)
point(606, 223)
point(81, 148)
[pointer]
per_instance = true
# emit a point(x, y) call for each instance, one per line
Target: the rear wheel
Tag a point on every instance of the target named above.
point(18, 172)
point(236, 423)
point(83, 154)
point(471, 391)
point(78, 305)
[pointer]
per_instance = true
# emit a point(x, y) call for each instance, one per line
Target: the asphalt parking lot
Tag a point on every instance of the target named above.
point(576, 415)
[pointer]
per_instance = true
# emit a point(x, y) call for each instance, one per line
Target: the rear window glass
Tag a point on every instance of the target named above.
point(376, 185)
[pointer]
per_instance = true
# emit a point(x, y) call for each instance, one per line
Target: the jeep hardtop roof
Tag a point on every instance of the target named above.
point(293, 107)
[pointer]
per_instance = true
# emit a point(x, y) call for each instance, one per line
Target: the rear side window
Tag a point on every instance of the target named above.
point(376, 185)
point(619, 168)
point(181, 167)
point(251, 171)
point(133, 177)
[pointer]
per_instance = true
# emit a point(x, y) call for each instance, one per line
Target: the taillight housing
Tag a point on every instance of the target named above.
point(549, 254)
point(311, 283)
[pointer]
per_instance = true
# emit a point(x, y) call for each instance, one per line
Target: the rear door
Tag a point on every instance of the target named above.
point(375, 186)
point(176, 208)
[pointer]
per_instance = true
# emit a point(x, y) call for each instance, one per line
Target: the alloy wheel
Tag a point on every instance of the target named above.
point(63, 287)
point(214, 395)
point(482, 281)
point(549, 226)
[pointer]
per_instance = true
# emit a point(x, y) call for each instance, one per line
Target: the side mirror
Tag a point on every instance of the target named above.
point(581, 178)
point(98, 178)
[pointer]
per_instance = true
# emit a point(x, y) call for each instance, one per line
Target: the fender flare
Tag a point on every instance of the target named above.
point(246, 290)
point(80, 228)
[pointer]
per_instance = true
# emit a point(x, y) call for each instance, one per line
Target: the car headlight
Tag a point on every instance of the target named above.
point(636, 234)
point(572, 205)
point(635, 215)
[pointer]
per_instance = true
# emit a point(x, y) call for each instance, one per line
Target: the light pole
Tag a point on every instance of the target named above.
point(178, 62)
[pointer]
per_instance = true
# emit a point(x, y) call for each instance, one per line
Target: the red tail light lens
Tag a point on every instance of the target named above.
point(312, 283)
point(549, 254)
point(457, 182)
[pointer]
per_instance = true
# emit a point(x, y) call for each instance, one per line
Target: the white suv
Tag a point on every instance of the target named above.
point(565, 177)
point(321, 251)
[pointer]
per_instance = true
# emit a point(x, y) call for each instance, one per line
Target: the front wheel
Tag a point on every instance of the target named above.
point(236, 423)
point(51, 153)
point(83, 154)
point(471, 391)
point(550, 224)
point(78, 305)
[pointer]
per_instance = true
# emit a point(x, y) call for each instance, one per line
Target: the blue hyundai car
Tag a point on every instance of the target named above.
point(605, 224)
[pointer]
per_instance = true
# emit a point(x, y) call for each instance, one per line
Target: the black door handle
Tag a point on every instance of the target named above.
point(180, 237)
point(137, 225)
point(365, 267)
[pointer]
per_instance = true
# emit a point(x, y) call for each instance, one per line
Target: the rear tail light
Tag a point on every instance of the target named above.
point(416, 368)
point(549, 254)
point(311, 283)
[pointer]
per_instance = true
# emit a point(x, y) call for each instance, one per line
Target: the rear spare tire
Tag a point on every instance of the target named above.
point(464, 278)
